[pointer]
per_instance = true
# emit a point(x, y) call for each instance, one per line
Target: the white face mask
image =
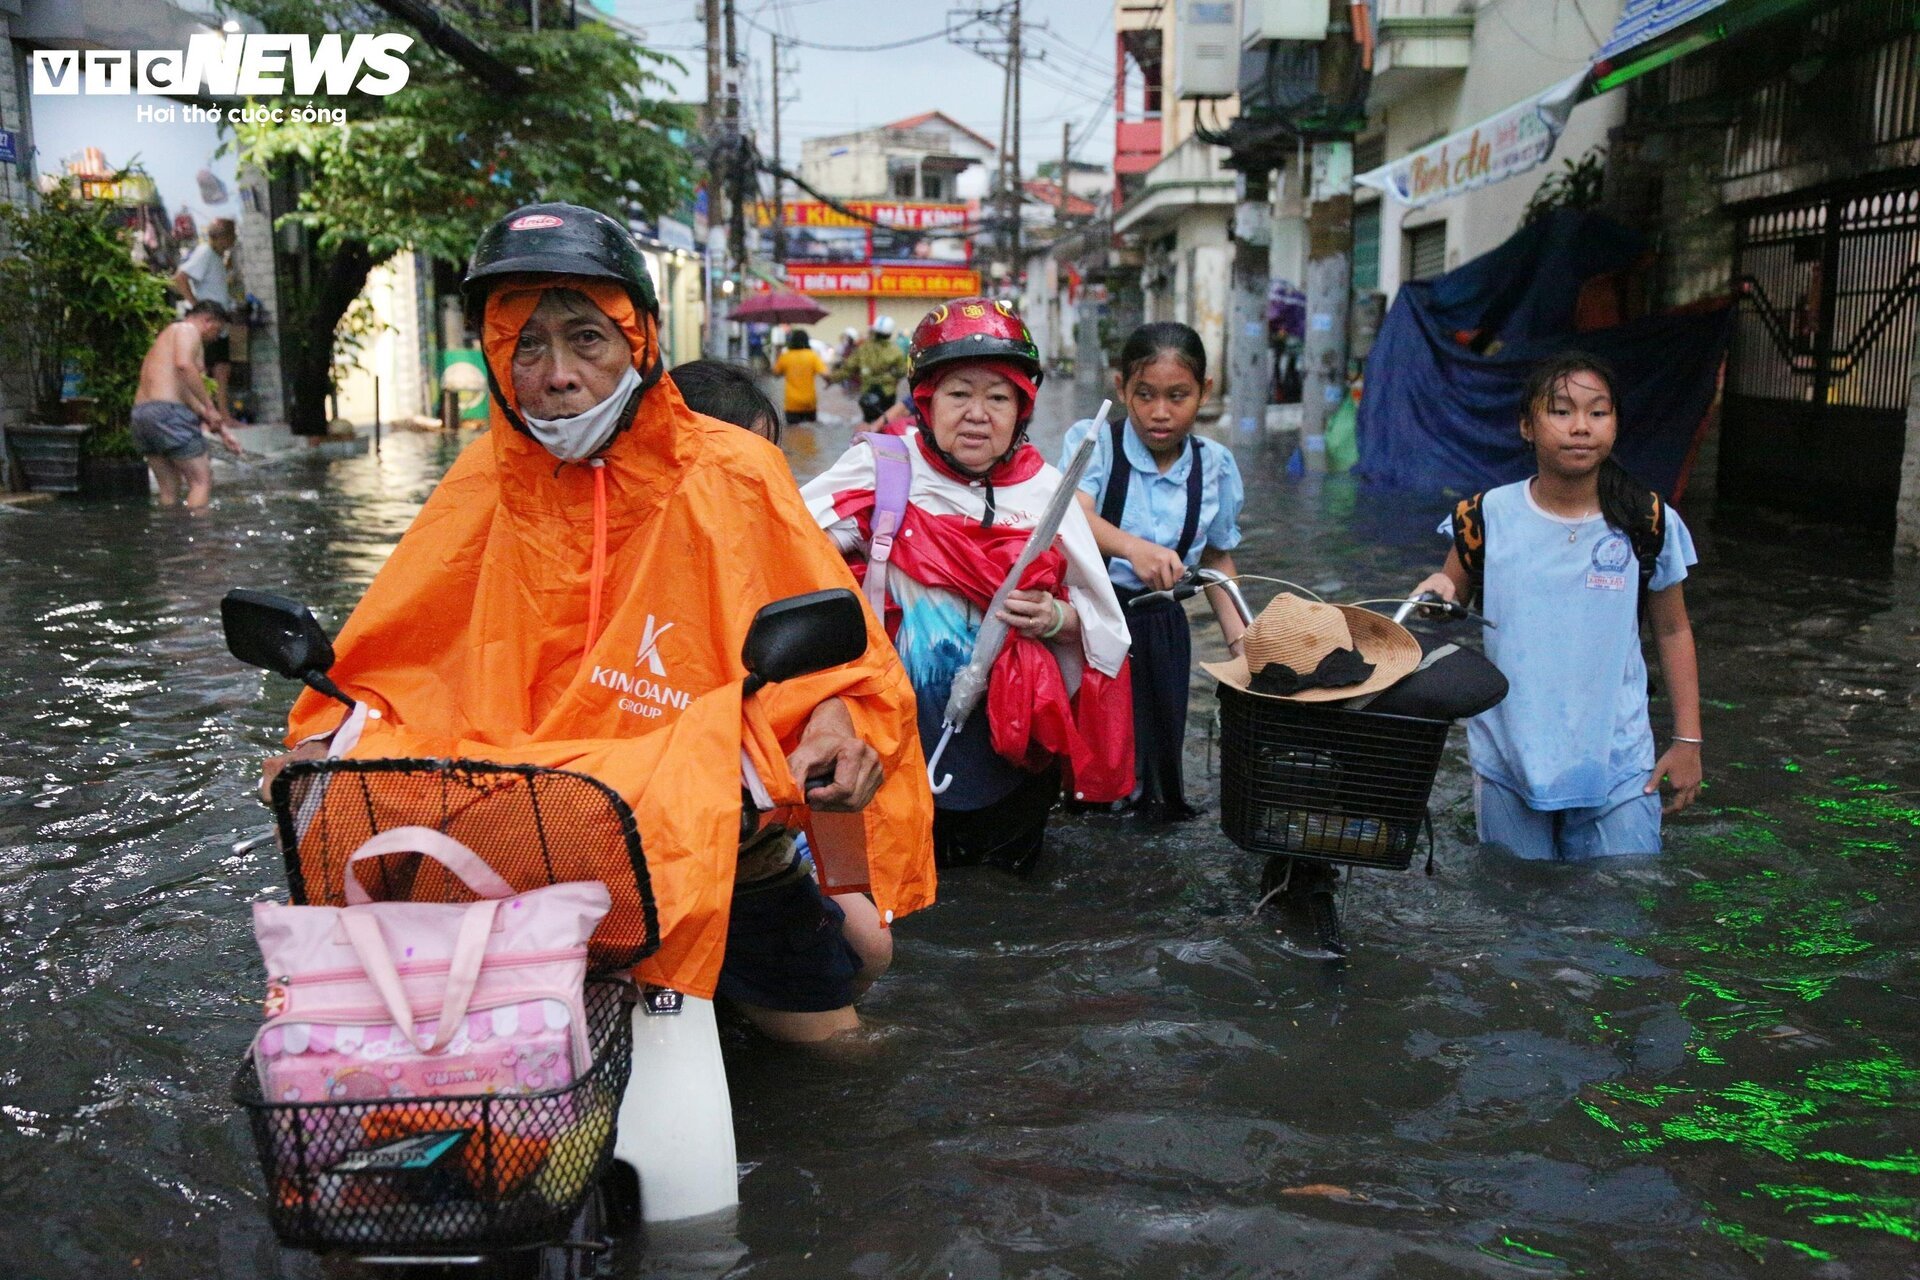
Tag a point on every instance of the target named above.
point(585, 433)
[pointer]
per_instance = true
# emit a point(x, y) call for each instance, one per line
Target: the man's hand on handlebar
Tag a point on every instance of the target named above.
point(831, 749)
point(1440, 585)
point(1155, 565)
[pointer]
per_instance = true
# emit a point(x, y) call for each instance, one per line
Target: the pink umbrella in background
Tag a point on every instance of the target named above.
point(781, 306)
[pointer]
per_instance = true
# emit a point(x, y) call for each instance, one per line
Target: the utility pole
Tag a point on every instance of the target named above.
point(1329, 294)
point(1249, 376)
point(1000, 185)
point(1003, 49)
point(1066, 150)
point(1013, 61)
point(736, 152)
point(713, 63)
point(779, 182)
point(710, 119)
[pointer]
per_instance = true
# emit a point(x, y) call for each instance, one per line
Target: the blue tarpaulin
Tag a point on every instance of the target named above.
point(1442, 414)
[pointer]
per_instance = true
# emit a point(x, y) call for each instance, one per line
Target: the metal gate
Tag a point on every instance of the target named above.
point(1818, 377)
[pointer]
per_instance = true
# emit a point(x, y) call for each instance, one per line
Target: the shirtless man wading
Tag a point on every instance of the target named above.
point(172, 404)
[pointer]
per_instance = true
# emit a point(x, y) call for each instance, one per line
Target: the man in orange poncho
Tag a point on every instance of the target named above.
point(575, 594)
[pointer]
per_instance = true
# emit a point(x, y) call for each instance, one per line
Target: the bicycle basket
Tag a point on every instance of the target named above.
point(1324, 783)
point(443, 1175)
point(534, 826)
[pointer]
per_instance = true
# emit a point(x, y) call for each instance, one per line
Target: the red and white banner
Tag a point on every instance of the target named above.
point(879, 281)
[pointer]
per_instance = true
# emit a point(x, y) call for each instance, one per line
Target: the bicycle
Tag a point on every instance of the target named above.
point(1316, 786)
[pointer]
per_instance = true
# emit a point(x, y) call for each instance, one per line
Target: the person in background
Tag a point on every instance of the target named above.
point(1569, 563)
point(172, 412)
point(729, 393)
point(203, 278)
point(968, 489)
point(874, 370)
point(804, 370)
point(1161, 501)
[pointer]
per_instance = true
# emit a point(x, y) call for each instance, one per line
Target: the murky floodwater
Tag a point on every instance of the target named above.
point(1700, 1066)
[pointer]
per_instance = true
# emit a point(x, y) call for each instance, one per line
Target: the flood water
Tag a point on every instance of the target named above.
point(1702, 1065)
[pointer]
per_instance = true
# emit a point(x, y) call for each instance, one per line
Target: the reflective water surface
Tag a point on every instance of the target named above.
point(1702, 1065)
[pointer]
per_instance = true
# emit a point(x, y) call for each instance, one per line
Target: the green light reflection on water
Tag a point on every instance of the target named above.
point(1778, 923)
point(1517, 1254)
point(1896, 1215)
point(1757, 1244)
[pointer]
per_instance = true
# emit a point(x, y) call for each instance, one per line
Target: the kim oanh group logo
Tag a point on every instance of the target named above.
point(232, 65)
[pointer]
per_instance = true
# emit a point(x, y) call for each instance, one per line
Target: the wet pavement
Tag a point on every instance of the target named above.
point(1705, 1065)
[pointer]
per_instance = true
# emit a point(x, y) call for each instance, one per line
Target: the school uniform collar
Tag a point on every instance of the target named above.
point(1141, 458)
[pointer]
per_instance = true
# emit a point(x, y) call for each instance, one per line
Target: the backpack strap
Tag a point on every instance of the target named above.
point(1196, 483)
point(892, 482)
point(1113, 503)
point(1470, 541)
point(1648, 538)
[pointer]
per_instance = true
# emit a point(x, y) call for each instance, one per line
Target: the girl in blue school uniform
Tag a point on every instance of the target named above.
point(1568, 563)
point(1161, 500)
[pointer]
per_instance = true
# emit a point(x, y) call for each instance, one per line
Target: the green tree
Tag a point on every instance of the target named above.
point(76, 295)
point(429, 167)
point(1581, 186)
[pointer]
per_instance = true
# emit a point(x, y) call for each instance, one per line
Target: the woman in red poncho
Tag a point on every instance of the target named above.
point(969, 487)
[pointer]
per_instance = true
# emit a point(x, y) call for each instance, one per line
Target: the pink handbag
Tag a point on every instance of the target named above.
point(380, 1000)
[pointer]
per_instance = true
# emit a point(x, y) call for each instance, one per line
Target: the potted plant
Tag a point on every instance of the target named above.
point(76, 295)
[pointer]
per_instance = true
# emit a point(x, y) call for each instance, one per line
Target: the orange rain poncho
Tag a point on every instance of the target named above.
point(473, 640)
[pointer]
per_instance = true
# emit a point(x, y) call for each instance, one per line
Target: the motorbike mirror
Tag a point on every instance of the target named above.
point(803, 634)
point(280, 635)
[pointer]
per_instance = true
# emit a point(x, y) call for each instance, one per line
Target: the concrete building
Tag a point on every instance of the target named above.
point(1441, 66)
point(1779, 166)
point(925, 157)
point(1181, 218)
point(921, 179)
point(1173, 199)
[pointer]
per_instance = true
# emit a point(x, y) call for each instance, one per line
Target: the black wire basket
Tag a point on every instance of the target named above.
point(1324, 783)
point(428, 1176)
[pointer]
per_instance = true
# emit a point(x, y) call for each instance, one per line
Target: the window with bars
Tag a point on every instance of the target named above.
point(1426, 255)
point(1366, 247)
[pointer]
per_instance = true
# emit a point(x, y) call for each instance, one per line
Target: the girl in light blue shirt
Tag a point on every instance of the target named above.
point(1161, 500)
point(1565, 767)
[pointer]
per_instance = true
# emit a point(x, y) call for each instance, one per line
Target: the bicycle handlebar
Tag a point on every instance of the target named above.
point(1431, 604)
point(1191, 584)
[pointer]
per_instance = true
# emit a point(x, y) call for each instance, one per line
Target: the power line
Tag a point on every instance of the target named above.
point(850, 48)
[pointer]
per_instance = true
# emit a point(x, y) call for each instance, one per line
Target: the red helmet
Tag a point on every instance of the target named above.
point(972, 329)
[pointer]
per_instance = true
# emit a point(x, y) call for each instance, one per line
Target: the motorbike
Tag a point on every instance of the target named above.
point(645, 1136)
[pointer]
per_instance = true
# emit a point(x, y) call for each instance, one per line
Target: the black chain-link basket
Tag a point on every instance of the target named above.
point(1325, 783)
point(425, 1176)
point(455, 1175)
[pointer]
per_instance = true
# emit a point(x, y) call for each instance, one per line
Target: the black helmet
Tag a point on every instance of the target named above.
point(558, 239)
point(561, 239)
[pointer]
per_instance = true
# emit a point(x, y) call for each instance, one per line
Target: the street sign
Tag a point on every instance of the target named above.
point(8, 153)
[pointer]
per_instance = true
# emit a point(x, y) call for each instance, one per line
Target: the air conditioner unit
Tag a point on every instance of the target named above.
point(1208, 62)
point(1264, 20)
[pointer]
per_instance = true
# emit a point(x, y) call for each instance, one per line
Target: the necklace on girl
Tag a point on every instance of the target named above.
point(1574, 524)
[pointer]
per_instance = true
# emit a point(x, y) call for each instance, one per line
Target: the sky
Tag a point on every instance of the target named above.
point(173, 155)
point(828, 92)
